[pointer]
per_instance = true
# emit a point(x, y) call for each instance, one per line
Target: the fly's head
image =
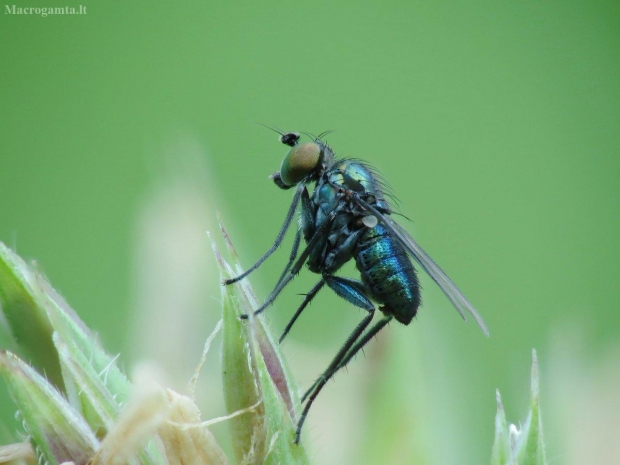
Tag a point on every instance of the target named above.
point(303, 162)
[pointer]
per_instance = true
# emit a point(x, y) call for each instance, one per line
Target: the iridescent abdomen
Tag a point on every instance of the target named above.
point(388, 273)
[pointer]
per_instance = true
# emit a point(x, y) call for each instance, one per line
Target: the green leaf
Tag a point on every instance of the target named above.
point(88, 392)
point(95, 386)
point(24, 310)
point(57, 431)
point(95, 383)
point(525, 446)
point(530, 448)
point(241, 387)
point(80, 340)
point(277, 400)
point(500, 454)
point(255, 373)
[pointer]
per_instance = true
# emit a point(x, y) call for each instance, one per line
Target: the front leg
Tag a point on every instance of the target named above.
point(303, 257)
point(279, 238)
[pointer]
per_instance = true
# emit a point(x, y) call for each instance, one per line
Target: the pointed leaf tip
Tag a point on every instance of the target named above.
point(525, 445)
point(534, 382)
point(255, 373)
point(500, 453)
point(22, 303)
point(498, 399)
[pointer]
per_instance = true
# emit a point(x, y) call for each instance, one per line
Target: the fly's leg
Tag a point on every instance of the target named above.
point(331, 369)
point(354, 350)
point(279, 238)
point(292, 256)
point(306, 225)
point(318, 235)
point(309, 296)
point(352, 291)
point(372, 332)
point(349, 289)
point(353, 345)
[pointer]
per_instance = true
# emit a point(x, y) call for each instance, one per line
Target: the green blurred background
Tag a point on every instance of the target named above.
point(497, 125)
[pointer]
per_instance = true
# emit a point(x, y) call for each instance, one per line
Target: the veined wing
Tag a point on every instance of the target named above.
point(452, 292)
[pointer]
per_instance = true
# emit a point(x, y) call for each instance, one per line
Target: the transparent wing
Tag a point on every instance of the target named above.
point(452, 292)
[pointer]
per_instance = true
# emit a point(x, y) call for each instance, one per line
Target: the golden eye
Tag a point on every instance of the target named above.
point(300, 162)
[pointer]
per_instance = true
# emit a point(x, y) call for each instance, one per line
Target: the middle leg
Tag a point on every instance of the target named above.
point(309, 296)
point(349, 289)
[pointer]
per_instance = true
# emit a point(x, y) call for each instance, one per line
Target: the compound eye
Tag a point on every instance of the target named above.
point(300, 162)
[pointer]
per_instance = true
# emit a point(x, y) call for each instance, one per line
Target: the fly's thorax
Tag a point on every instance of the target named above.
point(358, 177)
point(305, 162)
point(325, 197)
point(352, 176)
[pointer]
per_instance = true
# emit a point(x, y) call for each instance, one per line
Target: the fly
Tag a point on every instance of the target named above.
point(347, 217)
